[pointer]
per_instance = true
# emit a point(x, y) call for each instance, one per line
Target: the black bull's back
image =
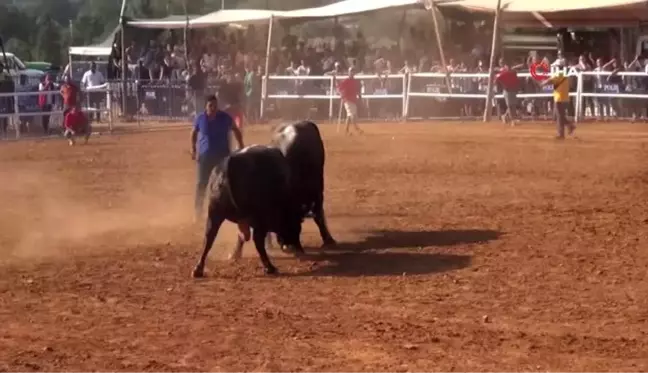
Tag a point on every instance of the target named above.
point(258, 180)
point(301, 143)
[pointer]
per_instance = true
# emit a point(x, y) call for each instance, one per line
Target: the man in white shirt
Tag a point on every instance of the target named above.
point(302, 70)
point(93, 79)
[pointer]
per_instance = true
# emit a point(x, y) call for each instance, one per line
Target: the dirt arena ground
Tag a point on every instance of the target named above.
point(462, 247)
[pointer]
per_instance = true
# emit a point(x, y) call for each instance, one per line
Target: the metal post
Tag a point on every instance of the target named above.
point(491, 64)
point(429, 5)
point(124, 65)
point(186, 35)
point(264, 98)
point(16, 117)
point(580, 113)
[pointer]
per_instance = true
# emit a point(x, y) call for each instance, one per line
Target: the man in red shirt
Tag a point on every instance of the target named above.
point(231, 93)
point(70, 92)
point(349, 90)
point(76, 124)
point(507, 78)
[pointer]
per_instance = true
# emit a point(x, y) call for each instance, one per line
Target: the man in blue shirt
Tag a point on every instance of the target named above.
point(211, 136)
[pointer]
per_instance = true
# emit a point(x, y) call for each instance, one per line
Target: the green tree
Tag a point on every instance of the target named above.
point(47, 46)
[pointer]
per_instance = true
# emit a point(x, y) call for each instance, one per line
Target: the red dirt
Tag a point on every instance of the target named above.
point(463, 247)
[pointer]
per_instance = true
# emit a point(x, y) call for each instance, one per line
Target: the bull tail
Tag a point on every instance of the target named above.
point(234, 179)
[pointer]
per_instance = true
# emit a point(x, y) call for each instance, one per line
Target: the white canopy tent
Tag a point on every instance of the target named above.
point(558, 13)
point(235, 16)
point(260, 16)
point(102, 49)
point(552, 14)
point(167, 23)
point(352, 7)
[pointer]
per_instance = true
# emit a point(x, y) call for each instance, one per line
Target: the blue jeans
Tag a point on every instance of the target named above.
point(206, 165)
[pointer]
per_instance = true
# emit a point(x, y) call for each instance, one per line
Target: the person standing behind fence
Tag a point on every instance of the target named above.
point(561, 102)
point(70, 94)
point(349, 90)
point(197, 83)
point(210, 144)
point(252, 93)
point(231, 95)
point(46, 102)
point(91, 80)
point(6, 103)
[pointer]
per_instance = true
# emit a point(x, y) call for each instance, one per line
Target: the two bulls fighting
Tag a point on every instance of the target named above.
point(270, 189)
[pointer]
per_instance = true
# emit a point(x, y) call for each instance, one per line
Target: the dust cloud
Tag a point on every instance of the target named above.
point(48, 215)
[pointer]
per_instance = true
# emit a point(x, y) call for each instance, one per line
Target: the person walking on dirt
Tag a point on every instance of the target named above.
point(507, 78)
point(561, 102)
point(76, 123)
point(349, 90)
point(210, 145)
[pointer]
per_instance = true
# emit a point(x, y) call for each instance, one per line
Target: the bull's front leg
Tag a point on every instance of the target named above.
point(214, 222)
point(320, 220)
point(259, 235)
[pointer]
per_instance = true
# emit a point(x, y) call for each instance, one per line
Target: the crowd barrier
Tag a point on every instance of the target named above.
point(426, 95)
point(21, 113)
point(397, 96)
point(384, 96)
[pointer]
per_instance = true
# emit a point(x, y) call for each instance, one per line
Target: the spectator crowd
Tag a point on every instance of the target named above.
point(169, 79)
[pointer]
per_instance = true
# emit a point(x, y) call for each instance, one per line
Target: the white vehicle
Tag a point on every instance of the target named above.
point(17, 68)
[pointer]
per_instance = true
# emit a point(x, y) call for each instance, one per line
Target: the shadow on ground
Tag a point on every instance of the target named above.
point(359, 259)
point(390, 239)
point(383, 264)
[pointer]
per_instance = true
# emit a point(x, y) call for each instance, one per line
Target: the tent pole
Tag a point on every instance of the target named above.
point(124, 66)
point(491, 64)
point(434, 9)
point(70, 46)
point(264, 92)
point(186, 35)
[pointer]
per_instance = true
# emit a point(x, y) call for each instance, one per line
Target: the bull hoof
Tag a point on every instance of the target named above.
point(271, 271)
point(198, 273)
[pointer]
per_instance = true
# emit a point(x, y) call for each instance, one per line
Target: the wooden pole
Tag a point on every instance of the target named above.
point(124, 65)
point(186, 37)
point(264, 94)
point(434, 9)
point(491, 64)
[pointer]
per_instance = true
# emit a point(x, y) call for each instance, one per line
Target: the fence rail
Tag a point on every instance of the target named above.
point(398, 96)
point(20, 111)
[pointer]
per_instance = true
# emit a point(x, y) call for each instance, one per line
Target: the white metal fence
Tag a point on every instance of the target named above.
point(592, 93)
point(20, 111)
point(390, 91)
point(398, 96)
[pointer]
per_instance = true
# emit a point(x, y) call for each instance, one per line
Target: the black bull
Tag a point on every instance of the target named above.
point(253, 187)
point(302, 145)
point(271, 189)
